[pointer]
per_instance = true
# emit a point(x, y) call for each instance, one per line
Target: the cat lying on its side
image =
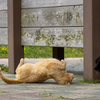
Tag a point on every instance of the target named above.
point(40, 71)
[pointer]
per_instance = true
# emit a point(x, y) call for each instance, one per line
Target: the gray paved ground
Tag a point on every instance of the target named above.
point(53, 91)
point(50, 89)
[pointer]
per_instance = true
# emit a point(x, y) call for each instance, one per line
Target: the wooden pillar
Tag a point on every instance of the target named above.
point(58, 53)
point(91, 37)
point(15, 50)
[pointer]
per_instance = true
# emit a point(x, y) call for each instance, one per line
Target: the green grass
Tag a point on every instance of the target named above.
point(88, 81)
point(37, 52)
point(42, 52)
point(4, 91)
point(4, 68)
point(3, 51)
point(47, 94)
point(51, 95)
point(73, 52)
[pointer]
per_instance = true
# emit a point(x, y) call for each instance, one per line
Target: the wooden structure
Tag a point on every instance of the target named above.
point(91, 37)
point(55, 23)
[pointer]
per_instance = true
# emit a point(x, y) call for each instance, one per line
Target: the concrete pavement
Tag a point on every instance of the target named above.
point(49, 90)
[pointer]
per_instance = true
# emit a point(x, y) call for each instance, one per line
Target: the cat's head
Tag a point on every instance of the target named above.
point(67, 78)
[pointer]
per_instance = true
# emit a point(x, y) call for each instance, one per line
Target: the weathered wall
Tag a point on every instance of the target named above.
point(47, 23)
point(52, 23)
point(63, 37)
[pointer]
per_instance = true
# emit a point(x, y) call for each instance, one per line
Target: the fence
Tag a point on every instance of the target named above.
point(55, 23)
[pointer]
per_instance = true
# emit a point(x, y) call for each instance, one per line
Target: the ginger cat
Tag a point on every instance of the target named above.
point(40, 71)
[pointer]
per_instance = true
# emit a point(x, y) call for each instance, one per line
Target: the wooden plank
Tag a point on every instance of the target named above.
point(3, 4)
point(59, 16)
point(54, 37)
point(3, 18)
point(49, 3)
point(3, 36)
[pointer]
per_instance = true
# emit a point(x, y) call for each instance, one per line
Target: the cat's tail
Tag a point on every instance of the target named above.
point(7, 80)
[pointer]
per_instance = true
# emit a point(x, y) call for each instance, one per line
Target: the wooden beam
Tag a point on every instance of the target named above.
point(15, 50)
point(58, 53)
point(91, 37)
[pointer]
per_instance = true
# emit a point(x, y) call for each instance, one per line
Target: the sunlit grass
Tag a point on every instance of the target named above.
point(4, 68)
point(73, 52)
point(88, 81)
point(42, 52)
point(37, 52)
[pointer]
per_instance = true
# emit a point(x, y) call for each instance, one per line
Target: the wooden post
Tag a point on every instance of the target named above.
point(58, 53)
point(15, 50)
point(91, 37)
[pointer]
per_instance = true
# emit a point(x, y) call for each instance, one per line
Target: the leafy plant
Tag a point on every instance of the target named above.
point(4, 68)
point(88, 81)
point(50, 95)
point(67, 98)
point(61, 97)
point(47, 94)
point(4, 91)
point(4, 50)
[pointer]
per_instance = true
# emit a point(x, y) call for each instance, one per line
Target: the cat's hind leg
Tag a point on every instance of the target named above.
point(20, 64)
